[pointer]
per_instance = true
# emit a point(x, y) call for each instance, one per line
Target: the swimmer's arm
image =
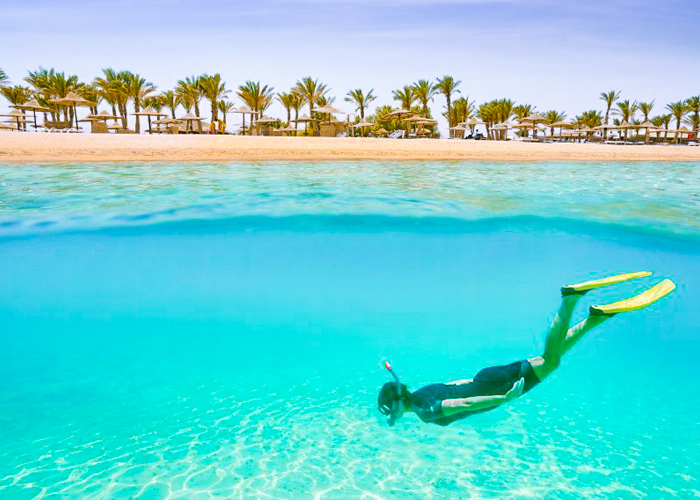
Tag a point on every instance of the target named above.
point(460, 382)
point(453, 406)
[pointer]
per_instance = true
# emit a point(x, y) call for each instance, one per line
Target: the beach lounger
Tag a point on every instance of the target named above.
point(399, 134)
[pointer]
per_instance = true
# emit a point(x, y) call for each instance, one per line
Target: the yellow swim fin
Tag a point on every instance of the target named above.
point(582, 288)
point(642, 300)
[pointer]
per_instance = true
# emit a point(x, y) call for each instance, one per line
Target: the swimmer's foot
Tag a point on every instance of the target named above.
point(642, 300)
point(582, 288)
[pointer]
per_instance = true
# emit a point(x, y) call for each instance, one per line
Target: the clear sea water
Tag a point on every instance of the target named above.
point(202, 331)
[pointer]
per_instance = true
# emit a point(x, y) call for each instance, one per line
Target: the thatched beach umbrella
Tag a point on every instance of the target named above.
point(329, 110)
point(17, 116)
point(382, 131)
point(115, 127)
point(189, 118)
point(304, 119)
point(149, 111)
point(362, 124)
point(74, 100)
point(399, 114)
point(244, 110)
point(288, 128)
point(33, 106)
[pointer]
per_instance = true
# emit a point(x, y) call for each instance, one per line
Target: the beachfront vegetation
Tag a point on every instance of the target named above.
point(361, 100)
point(127, 93)
point(447, 86)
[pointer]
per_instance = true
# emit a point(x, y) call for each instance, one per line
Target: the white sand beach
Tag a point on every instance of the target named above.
point(18, 147)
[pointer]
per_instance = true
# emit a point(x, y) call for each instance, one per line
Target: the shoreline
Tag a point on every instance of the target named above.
point(33, 147)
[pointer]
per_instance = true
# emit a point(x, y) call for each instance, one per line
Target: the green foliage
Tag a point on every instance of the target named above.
point(645, 108)
point(4, 80)
point(213, 88)
point(358, 97)
point(424, 91)
point(16, 95)
point(592, 118)
point(257, 97)
point(189, 93)
point(405, 96)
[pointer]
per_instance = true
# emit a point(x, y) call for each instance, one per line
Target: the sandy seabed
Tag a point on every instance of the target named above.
point(16, 147)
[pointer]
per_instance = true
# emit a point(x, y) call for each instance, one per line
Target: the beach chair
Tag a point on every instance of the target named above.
point(399, 134)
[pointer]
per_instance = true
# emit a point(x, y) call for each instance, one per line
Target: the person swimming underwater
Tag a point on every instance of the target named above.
point(443, 404)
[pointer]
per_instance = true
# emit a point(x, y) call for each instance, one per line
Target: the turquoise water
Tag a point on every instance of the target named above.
point(217, 330)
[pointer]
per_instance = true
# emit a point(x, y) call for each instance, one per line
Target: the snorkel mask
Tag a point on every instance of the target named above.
point(392, 411)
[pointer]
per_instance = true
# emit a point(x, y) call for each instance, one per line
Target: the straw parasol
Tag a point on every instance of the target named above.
point(6, 127)
point(115, 126)
point(73, 99)
point(362, 124)
point(382, 131)
point(263, 120)
point(17, 116)
point(244, 110)
point(33, 106)
point(304, 119)
point(190, 119)
point(533, 120)
point(149, 111)
point(399, 114)
point(329, 110)
point(288, 128)
point(102, 115)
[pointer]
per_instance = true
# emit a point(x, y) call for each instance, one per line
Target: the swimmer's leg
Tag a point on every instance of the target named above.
point(554, 343)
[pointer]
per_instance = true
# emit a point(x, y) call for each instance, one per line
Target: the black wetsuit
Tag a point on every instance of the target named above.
point(495, 380)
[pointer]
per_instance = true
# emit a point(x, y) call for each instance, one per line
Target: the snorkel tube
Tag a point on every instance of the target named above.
point(395, 404)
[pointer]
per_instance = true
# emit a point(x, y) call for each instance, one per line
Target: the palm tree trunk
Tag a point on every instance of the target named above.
point(449, 116)
point(214, 113)
point(196, 109)
point(137, 108)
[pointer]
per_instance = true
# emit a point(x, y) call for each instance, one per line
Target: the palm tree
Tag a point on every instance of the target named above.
point(297, 103)
point(225, 107)
point(496, 111)
point(154, 102)
point(286, 100)
point(214, 89)
point(4, 80)
point(169, 100)
point(462, 109)
point(626, 110)
point(678, 110)
point(114, 89)
point(136, 89)
point(693, 105)
point(311, 91)
point(190, 90)
point(257, 97)
point(424, 91)
point(405, 96)
point(16, 95)
point(591, 118)
point(448, 86)
point(553, 116)
point(360, 100)
point(609, 98)
point(645, 108)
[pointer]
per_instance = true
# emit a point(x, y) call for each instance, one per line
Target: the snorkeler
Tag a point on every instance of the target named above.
point(443, 404)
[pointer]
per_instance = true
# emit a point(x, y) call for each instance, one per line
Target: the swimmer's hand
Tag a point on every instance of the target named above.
point(516, 391)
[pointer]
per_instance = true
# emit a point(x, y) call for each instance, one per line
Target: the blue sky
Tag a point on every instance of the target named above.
point(554, 54)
